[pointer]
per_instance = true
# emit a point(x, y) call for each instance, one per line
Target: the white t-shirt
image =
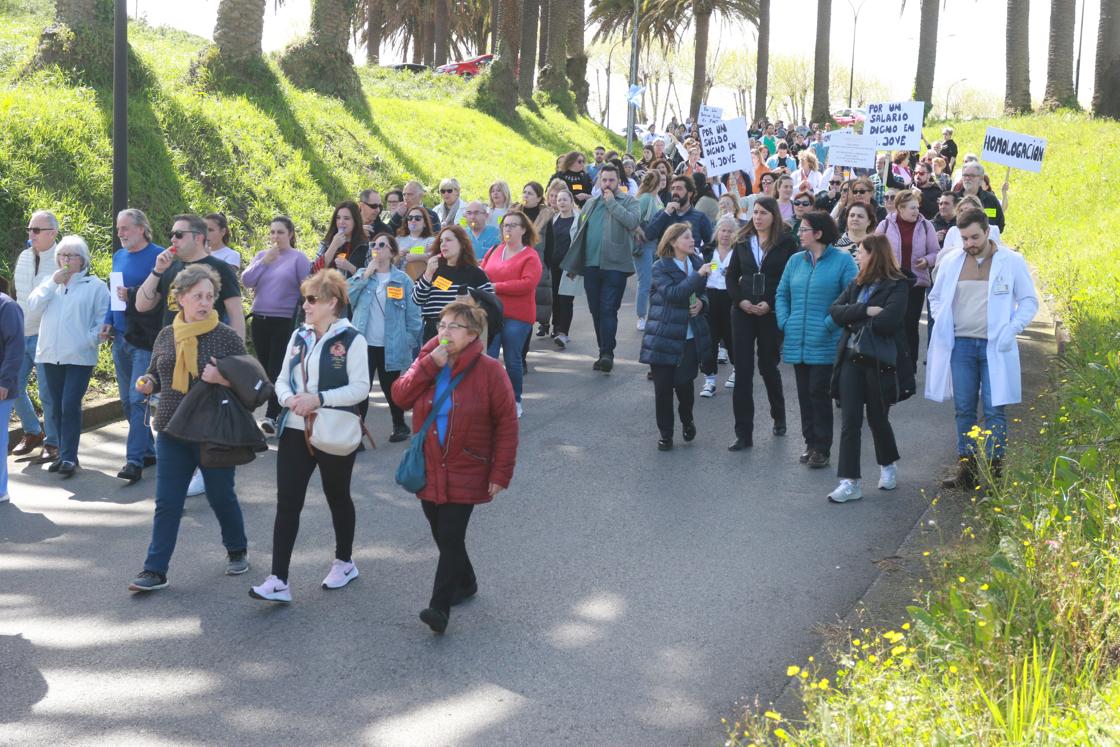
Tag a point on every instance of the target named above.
point(718, 278)
point(375, 324)
point(227, 255)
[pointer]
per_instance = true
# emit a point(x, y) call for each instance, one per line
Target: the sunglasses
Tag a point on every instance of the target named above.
point(447, 191)
point(415, 218)
point(313, 299)
point(181, 234)
point(37, 231)
point(839, 182)
point(381, 245)
point(860, 191)
point(802, 203)
point(372, 205)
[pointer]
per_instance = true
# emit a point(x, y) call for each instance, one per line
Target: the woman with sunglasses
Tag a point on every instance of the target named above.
point(573, 172)
point(415, 241)
point(514, 269)
point(862, 190)
point(765, 189)
point(344, 248)
point(802, 204)
point(275, 275)
point(450, 272)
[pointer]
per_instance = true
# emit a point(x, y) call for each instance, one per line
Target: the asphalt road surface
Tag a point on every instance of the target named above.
point(627, 596)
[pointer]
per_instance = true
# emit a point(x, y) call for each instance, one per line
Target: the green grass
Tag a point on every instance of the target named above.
point(1017, 642)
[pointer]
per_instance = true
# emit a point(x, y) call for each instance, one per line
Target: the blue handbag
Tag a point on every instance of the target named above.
point(411, 471)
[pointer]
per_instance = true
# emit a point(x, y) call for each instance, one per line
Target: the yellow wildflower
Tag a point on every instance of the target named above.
point(792, 670)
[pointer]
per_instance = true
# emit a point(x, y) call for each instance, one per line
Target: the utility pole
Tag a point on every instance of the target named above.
point(852, 69)
point(120, 112)
point(631, 112)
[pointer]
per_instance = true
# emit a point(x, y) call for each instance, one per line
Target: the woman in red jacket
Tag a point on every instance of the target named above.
point(514, 269)
point(469, 452)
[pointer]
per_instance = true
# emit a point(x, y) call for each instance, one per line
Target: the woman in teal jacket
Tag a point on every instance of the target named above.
point(812, 280)
point(389, 319)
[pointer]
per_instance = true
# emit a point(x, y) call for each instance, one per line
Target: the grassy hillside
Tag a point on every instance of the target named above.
point(253, 147)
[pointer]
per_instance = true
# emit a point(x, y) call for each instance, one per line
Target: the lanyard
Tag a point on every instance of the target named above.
point(756, 250)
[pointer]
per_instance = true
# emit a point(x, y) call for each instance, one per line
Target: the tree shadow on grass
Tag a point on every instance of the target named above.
point(360, 110)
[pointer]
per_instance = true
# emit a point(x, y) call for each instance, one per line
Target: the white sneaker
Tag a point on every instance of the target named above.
point(730, 383)
point(847, 490)
point(708, 390)
point(519, 411)
point(888, 477)
point(341, 573)
point(641, 325)
point(722, 356)
point(198, 484)
point(561, 341)
point(272, 590)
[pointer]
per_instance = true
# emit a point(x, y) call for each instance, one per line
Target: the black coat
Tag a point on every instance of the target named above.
point(896, 382)
point(667, 322)
point(742, 267)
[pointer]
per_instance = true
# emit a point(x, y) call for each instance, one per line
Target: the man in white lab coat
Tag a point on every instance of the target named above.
point(982, 299)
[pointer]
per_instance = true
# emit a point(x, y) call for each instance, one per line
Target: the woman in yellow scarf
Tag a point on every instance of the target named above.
point(183, 355)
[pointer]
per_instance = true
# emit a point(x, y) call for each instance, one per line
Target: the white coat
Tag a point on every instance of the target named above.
point(1012, 304)
point(71, 319)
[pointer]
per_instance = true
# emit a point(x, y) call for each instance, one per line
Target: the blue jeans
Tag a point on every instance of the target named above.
point(131, 363)
point(971, 381)
point(644, 263)
point(25, 411)
point(511, 340)
point(604, 289)
point(5, 412)
point(177, 462)
point(68, 384)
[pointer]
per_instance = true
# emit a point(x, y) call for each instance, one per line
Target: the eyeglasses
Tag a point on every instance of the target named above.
point(381, 245)
point(860, 191)
point(415, 218)
point(802, 203)
point(181, 234)
point(37, 231)
point(447, 190)
point(508, 224)
point(68, 256)
point(836, 182)
point(312, 299)
point(805, 229)
point(445, 326)
point(372, 205)
point(970, 176)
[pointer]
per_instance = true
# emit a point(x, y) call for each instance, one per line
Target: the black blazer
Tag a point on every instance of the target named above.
point(742, 267)
point(896, 384)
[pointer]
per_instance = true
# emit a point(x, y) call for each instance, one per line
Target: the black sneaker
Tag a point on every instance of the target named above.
point(434, 619)
point(148, 581)
point(237, 562)
point(542, 331)
point(130, 473)
point(818, 459)
point(606, 363)
point(689, 431)
point(598, 365)
point(740, 443)
point(400, 433)
point(664, 444)
point(67, 469)
point(779, 427)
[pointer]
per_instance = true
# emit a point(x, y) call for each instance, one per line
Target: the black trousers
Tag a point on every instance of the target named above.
point(563, 307)
point(454, 571)
point(719, 322)
point(751, 332)
point(681, 380)
point(859, 388)
point(270, 340)
point(915, 304)
point(813, 383)
point(294, 465)
point(385, 379)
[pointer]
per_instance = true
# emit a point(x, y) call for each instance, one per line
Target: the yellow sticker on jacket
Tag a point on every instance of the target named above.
point(395, 292)
point(990, 212)
point(443, 283)
point(418, 249)
point(577, 187)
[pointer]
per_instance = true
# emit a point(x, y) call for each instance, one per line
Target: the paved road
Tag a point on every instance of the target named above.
point(628, 596)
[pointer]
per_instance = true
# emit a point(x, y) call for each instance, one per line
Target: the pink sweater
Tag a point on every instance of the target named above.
point(515, 281)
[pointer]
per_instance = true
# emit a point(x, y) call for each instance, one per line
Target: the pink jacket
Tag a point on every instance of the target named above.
point(924, 245)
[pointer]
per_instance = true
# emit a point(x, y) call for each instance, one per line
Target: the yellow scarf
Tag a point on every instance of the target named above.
point(186, 348)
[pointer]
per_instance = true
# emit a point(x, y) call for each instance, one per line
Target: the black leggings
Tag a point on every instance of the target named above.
point(294, 465)
point(454, 571)
point(563, 307)
point(681, 380)
point(385, 379)
point(270, 340)
point(719, 322)
point(860, 389)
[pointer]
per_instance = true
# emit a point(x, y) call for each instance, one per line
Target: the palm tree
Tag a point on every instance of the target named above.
point(527, 65)
point(1106, 92)
point(322, 61)
point(238, 30)
point(542, 48)
point(576, 64)
point(927, 53)
point(1059, 60)
point(441, 26)
point(374, 21)
point(820, 64)
point(762, 68)
point(501, 86)
point(1017, 95)
point(552, 78)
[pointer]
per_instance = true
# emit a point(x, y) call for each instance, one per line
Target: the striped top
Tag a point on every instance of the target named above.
point(432, 299)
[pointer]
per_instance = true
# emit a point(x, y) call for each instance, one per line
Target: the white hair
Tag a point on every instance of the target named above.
point(52, 221)
point(75, 244)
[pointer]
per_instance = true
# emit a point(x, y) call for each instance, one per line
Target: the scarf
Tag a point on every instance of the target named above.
point(186, 348)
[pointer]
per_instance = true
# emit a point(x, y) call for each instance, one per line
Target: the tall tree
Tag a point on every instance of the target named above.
point(1059, 59)
point(553, 80)
point(1017, 94)
point(576, 64)
point(927, 53)
point(441, 28)
point(762, 67)
point(542, 47)
point(494, 11)
point(322, 60)
point(1106, 91)
point(500, 88)
point(527, 65)
point(702, 21)
point(239, 28)
point(375, 20)
point(821, 106)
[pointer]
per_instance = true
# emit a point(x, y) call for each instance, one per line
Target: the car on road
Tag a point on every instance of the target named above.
point(467, 68)
point(849, 117)
point(411, 67)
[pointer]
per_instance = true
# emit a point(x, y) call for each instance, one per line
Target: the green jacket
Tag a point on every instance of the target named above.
point(617, 250)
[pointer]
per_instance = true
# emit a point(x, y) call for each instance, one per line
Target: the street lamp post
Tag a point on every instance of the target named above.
point(120, 112)
point(949, 91)
point(852, 70)
point(631, 112)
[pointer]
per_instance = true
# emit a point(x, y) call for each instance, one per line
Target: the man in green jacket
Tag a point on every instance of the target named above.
point(603, 253)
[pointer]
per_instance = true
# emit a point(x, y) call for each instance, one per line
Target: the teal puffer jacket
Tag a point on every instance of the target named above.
point(804, 296)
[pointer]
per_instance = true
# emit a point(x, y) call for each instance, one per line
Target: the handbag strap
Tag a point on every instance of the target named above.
point(423, 432)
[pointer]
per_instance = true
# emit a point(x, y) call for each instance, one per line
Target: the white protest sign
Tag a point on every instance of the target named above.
point(1013, 149)
point(725, 146)
point(116, 280)
point(849, 149)
point(826, 138)
point(896, 125)
point(709, 115)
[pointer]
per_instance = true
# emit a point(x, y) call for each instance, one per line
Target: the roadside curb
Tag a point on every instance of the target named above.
point(98, 413)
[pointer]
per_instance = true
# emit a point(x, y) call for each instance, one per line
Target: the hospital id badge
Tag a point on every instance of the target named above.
point(1000, 289)
point(758, 284)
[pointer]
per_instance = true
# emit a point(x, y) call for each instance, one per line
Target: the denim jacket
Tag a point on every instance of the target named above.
point(403, 324)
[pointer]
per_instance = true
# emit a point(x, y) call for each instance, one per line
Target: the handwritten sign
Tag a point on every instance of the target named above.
point(849, 149)
point(709, 115)
point(896, 125)
point(725, 146)
point(1013, 149)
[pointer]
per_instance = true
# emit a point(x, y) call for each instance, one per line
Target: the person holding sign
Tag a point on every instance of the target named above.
point(449, 272)
point(983, 299)
point(415, 240)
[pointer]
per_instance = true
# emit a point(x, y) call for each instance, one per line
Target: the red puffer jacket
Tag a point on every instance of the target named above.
point(481, 445)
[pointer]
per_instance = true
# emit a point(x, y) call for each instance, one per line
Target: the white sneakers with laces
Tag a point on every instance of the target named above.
point(342, 572)
point(847, 490)
point(272, 590)
point(198, 484)
point(642, 325)
point(730, 383)
point(888, 477)
point(709, 389)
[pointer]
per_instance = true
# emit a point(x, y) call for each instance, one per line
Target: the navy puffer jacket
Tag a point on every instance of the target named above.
point(667, 322)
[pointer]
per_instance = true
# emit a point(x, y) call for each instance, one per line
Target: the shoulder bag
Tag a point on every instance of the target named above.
point(411, 473)
point(332, 430)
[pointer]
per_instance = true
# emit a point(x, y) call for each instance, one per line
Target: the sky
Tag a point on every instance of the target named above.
point(886, 42)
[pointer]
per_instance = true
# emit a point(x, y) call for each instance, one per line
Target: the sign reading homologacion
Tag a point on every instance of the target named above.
point(1013, 149)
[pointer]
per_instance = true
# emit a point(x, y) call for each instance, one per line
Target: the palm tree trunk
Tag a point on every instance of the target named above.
point(553, 81)
point(1017, 95)
point(702, 17)
point(76, 14)
point(442, 30)
point(1059, 60)
point(330, 23)
point(494, 4)
point(1106, 92)
point(374, 22)
point(542, 47)
point(501, 87)
point(527, 67)
point(428, 23)
point(762, 68)
point(238, 30)
point(927, 53)
point(576, 66)
point(821, 107)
